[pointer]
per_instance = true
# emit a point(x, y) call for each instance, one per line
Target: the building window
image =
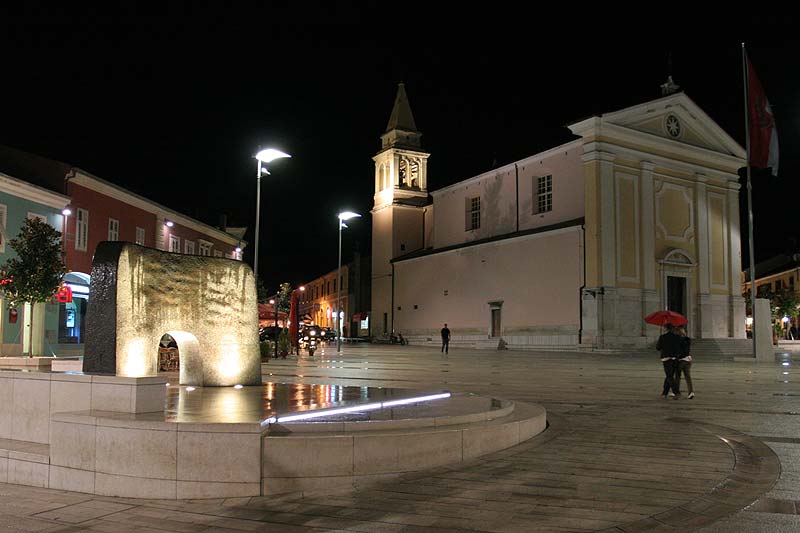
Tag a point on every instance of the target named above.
point(3, 233)
point(778, 285)
point(334, 285)
point(791, 278)
point(544, 194)
point(205, 248)
point(473, 218)
point(140, 236)
point(217, 253)
point(113, 229)
point(188, 247)
point(37, 216)
point(174, 243)
point(81, 229)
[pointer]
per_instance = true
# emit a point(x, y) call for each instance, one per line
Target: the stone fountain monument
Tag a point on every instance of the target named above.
point(207, 304)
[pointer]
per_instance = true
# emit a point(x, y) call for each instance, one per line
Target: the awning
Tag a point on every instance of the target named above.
point(267, 312)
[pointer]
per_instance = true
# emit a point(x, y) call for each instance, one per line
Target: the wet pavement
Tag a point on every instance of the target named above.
point(616, 457)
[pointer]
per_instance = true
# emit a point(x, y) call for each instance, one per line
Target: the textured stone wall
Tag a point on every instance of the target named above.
point(208, 304)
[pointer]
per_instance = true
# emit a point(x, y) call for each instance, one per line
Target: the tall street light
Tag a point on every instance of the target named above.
point(346, 215)
point(263, 157)
point(274, 304)
point(66, 212)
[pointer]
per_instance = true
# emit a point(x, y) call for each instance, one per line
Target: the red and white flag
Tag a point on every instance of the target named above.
point(763, 134)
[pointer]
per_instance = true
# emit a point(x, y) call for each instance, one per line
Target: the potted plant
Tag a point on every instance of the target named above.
point(284, 343)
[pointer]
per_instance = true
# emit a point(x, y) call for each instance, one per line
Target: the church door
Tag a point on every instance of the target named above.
point(676, 294)
point(496, 322)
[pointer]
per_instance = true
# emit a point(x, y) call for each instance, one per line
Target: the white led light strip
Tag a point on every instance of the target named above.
point(355, 408)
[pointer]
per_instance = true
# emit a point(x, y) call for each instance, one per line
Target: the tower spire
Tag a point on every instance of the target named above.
point(401, 131)
point(401, 117)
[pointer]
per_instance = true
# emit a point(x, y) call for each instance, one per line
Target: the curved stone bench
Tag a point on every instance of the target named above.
point(307, 457)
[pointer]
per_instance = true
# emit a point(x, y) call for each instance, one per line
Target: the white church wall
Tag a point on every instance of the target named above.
point(499, 190)
point(535, 279)
point(565, 165)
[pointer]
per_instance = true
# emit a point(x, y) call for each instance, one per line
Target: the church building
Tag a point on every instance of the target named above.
point(569, 248)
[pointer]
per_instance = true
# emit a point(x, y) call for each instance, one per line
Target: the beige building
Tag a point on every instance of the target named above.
point(570, 247)
point(321, 297)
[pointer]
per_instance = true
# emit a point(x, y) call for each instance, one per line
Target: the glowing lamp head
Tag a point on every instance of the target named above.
point(66, 211)
point(302, 288)
point(238, 249)
point(347, 215)
point(272, 302)
point(169, 223)
point(270, 154)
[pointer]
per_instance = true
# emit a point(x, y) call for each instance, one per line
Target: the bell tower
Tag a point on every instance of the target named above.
point(401, 194)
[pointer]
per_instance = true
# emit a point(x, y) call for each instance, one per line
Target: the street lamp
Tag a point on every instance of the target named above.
point(294, 318)
point(346, 215)
point(262, 157)
point(66, 212)
point(275, 310)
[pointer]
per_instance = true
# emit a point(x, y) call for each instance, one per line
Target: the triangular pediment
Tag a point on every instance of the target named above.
point(676, 118)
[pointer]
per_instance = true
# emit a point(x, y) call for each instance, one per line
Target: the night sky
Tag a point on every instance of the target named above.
point(173, 104)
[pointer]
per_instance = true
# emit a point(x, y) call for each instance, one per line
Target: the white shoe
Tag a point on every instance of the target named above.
point(691, 395)
point(671, 394)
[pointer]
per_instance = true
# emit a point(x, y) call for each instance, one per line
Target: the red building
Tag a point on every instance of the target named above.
point(102, 211)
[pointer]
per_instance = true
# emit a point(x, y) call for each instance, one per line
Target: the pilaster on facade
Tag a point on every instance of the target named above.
point(701, 215)
point(648, 227)
point(608, 240)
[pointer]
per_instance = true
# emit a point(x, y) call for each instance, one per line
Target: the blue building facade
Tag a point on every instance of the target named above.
point(20, 200)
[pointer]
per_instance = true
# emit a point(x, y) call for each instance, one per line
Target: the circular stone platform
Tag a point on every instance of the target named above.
point(278, 438)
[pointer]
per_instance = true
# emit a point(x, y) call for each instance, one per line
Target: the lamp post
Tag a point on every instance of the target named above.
point(66, 212)
point(346, 215)
point(262, 157)
point(275, 310)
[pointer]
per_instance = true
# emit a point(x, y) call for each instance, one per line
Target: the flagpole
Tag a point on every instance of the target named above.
point(749, 200)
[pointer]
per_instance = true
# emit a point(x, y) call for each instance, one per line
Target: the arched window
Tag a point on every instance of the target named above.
point(382, 177)
point(413, 179)
point(402, 172)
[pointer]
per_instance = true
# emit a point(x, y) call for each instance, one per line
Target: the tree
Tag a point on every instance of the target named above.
point(284, 297)
point(785, 303)
point(261, 292)
point(36, 273)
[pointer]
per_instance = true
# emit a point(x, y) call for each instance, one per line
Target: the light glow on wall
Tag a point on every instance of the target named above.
point(229, 364)
point(135, 364)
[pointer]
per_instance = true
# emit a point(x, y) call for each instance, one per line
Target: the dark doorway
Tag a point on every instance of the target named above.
point(496, 325)
point(385, 323)
point(676, 294)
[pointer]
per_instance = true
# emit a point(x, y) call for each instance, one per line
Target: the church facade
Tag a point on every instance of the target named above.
point(567, 248)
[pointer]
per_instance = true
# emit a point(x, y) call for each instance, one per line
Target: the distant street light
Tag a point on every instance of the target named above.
point(346, 215)
point(275, 310)
point(262, 157)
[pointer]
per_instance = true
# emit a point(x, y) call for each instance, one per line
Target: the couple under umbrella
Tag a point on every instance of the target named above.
point(675, 351)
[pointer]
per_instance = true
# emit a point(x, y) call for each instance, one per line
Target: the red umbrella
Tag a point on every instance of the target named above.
point(659, 318)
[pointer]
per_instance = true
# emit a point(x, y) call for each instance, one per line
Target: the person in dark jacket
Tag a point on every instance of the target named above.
point(445, 339)
point(684, 362)
point(669, 344)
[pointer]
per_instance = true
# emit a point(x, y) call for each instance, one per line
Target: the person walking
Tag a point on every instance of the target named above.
point(445, 339)
point(669, 344)
point(684, 362)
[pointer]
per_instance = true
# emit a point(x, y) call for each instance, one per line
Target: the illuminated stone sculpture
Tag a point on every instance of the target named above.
point(207, 304)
